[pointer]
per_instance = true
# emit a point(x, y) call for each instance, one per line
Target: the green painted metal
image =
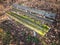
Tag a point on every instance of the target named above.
point(42, 29)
